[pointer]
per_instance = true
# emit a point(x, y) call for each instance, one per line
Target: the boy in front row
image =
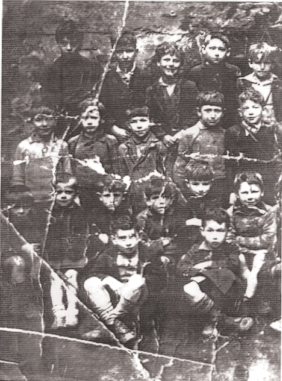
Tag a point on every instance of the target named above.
point(210, 274)
point(253, 229)
point(117, 283)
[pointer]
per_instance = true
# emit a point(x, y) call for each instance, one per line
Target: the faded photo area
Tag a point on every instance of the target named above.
point(141, 191)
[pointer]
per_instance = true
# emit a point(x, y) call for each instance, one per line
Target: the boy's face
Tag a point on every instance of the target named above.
point(214, 233)
point(169, 65)
point(215, 51)
point(44, 125)
point(140, 126)
point(68, 46)
point(210, 115)
point(261, 68)
point(159, 203)
point(249, 194)
point(251, 112)
point(65, 195)
point(90, 120)
point(126, 240)
point(111, 199)
point(21, 210)
point(125, 56)
point(199, 187)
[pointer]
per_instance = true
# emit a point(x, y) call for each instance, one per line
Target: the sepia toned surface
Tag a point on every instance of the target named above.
point(29, 348)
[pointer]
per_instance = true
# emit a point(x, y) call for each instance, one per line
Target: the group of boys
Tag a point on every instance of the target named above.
point(138, 198)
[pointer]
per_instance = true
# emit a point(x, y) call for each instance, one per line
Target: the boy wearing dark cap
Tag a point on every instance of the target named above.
point(124, 86)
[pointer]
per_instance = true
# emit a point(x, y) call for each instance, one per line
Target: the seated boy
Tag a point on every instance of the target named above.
point(124, 86)
point(255, 140)
point(261, 57)
point(72, 76)
point(198, 193)
point(65, 248)
point(163, 221)
point(172, 99)
point(210, 273)
point(204, 141)
point(90, 146)
point(118, 283)
point(112, 203)
point(215, 73)
point(253, 228)
point(37, 157)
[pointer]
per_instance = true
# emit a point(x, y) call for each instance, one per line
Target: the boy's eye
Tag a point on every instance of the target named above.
point(69, 192)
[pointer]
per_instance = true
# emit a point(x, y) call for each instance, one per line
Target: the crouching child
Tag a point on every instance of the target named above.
point(122, 279)
point(209, 274)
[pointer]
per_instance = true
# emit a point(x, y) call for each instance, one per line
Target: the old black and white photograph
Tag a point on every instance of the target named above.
point(141, 190)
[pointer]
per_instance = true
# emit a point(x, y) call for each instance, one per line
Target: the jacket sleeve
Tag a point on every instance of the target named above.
point(185, 264)
point(113, 154)
point(180, 163)
point(158, 129)
point(122, 166)
point(268, 237)
point(190, 101)
point(161, 156)
point(19, 165)
point(64, 164)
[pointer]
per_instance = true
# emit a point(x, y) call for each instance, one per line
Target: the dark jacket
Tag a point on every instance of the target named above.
point(102, 145)
point(69, 80)
point(117, 96)
point(175, 116)
point(67, 238)
point(276, 90)
point(221, 78)
point(225, 266)
point(153, 153)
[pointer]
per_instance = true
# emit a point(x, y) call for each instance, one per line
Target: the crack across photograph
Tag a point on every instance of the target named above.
point(141, 191)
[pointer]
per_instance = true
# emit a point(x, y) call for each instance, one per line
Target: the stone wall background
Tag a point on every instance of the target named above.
point(29, 44)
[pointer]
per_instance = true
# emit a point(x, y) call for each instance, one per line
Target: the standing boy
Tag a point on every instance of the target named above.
point(255, 140)
point(262, 79)
point(215, 73)
point(204, 141)
point(210, 272)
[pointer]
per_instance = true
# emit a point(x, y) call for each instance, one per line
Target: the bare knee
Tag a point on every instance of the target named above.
point(136, 282)
point(92, 284)
point(192, 289)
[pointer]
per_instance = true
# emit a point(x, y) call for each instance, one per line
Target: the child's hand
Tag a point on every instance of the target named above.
point(165, 241)
point(194, 222)
point(203, 265)
point(165, 260)
point(104, 238)
point(168, 140)
point(120, 132)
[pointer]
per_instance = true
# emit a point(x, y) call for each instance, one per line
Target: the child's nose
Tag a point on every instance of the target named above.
point(69, 47)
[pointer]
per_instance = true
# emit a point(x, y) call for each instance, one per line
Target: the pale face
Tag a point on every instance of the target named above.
point(210, 115)
point(126, 57)
point(65, 195)
point(140, 126)
point(215, 51)
point(126, 240)
point(249, 194)
point(111, 200)
point(199, 188)
point(169, 65)
point(44, 125)
point(159, 203)
point(251, 112)
point(262, 69)
point(90, 120)
point(67, 46)
point(214, 233)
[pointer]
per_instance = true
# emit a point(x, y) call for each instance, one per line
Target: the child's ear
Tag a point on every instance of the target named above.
point(228, 52)
point(202, 231)
point(199, 112)
point(149, 202)
point(113, 239)
point(240, 113)
point(158, 63)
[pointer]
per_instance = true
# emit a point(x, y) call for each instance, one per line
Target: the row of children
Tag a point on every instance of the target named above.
point(120, 244)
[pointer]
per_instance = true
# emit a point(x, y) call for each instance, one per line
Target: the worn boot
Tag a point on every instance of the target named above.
point(207, 308)
point(123, 333)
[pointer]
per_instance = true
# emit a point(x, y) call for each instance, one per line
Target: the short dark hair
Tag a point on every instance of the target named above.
point(216, 214)
point(199, 171)
point(126, 39)
point(253, 95)
point(217, 35)
point(70, 30)
point(137, 111)
point(122, 223)
point(211, 98)
point(158, 186)
point(111, 183)
point(169, 48)
point(250, 177)
point(19, 195)
point(88, 102)
point(65, 178)
point(261, 52)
